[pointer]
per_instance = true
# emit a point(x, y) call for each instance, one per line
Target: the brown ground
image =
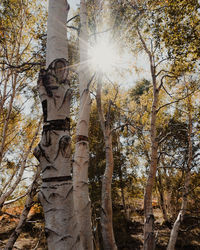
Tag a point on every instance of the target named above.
point(128, 233)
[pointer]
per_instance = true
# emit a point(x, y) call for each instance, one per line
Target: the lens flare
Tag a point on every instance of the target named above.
point(103, 56)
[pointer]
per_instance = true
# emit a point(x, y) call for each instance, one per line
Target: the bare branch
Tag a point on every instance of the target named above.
point(178, 100)
point(16, 199)
point(143, 43)
point(10, 66)
point(164, 71)
point(161, 61)
point(162, 79)
point(72, 18)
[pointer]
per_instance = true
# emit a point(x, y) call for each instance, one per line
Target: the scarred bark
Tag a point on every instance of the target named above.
point(54, 149)
point(54, 155)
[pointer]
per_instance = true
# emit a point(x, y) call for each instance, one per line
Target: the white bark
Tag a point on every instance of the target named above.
point(56, 31)
point(179, 219)
point(54, 155)
point(54, 149)
point(81, 157)
point(106, 199)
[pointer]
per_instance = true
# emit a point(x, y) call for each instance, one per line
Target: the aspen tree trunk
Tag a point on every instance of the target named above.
point(82, 202)
point(54, 149)
point(149, 237)
point(106, 199)
point(179, 219)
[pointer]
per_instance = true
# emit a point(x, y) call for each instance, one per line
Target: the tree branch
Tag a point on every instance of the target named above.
point(72, 18)
point(178, 100)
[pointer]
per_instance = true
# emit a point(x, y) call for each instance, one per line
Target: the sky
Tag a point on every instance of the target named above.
point(141, 61)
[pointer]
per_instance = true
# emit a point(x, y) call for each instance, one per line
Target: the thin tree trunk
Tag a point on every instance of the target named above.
point(106, 199)
point(162, 197)
point(5, 195)
point(168, 193)
point(23, 217)
point(122, 194)
point(7, 119)
point(13, 95)
point(149, 237)
point(82, 202)
point(54, 149)
point(177, 223)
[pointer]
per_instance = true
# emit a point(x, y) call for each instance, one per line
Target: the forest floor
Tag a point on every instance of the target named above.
point(128, 233)
point(188, 237)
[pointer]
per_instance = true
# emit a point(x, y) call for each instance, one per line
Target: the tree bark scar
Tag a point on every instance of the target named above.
point(57, 179)
point(43, 153)
point(64, 143)
point(61, 125)
point(150, 217)
point(81, 138)
point(44, 108)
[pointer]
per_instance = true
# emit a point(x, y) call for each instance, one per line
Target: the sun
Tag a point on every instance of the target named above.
point(103, 56)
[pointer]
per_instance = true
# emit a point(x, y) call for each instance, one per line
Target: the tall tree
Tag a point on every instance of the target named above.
point(54, 149)
point(106, 199)
point(81, 157)
point(180, 217)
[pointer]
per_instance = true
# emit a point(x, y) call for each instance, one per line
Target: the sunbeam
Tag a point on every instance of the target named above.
point(103, 56)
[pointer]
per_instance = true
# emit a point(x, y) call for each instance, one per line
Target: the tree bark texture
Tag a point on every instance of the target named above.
point(177, 223)
point(56, 30)
point(54, 155)
point(106, 198)
point(54, 149)
point(82, 202)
